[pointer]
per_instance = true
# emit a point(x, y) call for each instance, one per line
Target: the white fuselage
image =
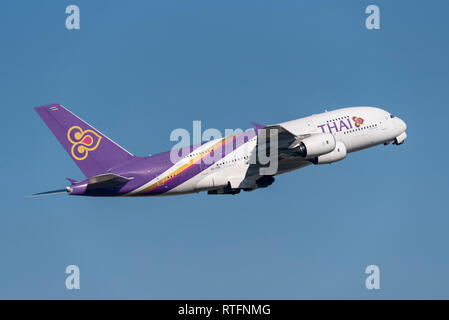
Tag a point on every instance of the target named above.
point(356, 128)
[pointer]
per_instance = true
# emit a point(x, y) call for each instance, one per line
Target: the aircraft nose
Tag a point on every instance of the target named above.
point(401, 124)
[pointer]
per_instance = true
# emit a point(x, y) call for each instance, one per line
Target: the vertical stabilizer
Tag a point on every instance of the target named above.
point(92, 151)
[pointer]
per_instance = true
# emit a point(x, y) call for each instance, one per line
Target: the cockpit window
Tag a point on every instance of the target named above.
point(391, 116)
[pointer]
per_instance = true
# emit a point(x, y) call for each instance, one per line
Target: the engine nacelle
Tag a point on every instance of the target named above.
point(316, 145)
point(264, 181)
point(339, 153)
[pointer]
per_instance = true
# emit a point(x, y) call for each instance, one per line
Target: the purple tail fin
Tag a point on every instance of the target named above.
point(93, 152)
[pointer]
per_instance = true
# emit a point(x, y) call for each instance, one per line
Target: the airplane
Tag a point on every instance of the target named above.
point(219, 166)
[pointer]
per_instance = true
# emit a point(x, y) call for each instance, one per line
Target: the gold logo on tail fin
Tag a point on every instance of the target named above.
point(82, 142)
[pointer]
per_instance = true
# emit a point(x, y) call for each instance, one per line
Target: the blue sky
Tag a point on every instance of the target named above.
point(138, 70)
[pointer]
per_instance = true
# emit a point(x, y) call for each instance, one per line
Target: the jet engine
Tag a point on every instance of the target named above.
point(264, 181)
point(316, 145)
point(339, 153)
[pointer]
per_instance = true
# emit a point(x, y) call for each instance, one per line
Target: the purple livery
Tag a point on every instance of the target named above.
point(220, 166)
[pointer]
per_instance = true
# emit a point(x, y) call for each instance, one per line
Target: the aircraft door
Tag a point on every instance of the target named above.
point(311, 126)
point(384, 123)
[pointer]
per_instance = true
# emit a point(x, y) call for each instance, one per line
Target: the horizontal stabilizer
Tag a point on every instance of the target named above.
point(72, 181)
point(107, 182)
point(108, 177)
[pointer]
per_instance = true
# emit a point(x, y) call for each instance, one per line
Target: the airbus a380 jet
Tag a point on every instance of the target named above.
point(220, 166)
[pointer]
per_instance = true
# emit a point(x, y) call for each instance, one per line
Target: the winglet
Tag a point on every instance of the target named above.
point(258, 125)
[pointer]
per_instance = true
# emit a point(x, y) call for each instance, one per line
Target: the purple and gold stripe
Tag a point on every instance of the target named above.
point(193, 167)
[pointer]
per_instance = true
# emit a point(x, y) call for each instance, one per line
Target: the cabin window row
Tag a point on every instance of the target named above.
point(231, 161)
point(336, 119)
point(361, 128)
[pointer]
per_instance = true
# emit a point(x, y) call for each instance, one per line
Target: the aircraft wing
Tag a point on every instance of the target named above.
point(287, 141)
point(288, 159)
